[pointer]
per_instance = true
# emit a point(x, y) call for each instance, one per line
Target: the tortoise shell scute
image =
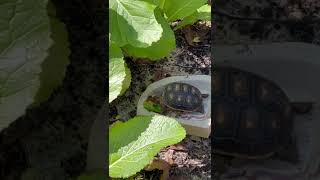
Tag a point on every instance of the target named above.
point(182, 96)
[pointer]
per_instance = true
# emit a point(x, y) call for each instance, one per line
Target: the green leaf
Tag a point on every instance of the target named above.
point(126, 81)
point(203, 14)
point(24, 43)
point(133, 144)
point(179, 9)
point(151, 106)
point(31, 174)
point(133, 22)
point(159, 49)
point(55, 65)
point(118, 73)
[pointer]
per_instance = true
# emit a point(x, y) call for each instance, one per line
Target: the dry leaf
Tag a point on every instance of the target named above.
point(168, 156)
point(161, 165)
point(178, 147)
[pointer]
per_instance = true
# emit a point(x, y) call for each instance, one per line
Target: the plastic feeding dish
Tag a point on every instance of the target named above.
point(195, 123)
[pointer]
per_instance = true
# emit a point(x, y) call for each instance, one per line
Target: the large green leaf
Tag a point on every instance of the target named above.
point(55, 65)
point(203, 13)
point(133, 144)
point(24, 43)
point(119, 74)
point(158, 49)
point(179, 9)
point(133, 22)
point(127, 80)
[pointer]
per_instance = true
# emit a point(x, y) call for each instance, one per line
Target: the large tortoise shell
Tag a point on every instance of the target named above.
point(252, 116)
point(182, 96)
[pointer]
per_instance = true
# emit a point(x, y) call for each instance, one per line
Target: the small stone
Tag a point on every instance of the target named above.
point(195, 138)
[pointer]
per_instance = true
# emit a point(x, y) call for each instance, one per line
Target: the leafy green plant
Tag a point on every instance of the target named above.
point(30, 37)
point(133, 144)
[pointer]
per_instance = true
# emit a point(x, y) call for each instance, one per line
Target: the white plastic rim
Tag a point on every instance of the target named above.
point(295, 67)
point(202, 82)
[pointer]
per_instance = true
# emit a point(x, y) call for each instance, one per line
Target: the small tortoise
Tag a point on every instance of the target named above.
point(183, 97)
point(180, 97)
point(252, 116)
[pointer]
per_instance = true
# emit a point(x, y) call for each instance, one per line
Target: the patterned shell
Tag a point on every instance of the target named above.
point(252, 116)
point(182, 96)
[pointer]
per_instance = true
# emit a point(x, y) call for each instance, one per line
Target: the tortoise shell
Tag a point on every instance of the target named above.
point(183, 97)
point(252, 116)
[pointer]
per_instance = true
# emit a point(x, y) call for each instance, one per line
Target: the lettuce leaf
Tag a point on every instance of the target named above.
point(119, 73)
point(159, 49)
point(203, 14)
point(178, 9)
point(133, 144)
point(55, 65)
point(126, 81)
point(24, 43)
point(133, 22)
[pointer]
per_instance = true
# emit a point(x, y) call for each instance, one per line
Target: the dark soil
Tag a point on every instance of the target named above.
point(244, 21)
point(50, 140)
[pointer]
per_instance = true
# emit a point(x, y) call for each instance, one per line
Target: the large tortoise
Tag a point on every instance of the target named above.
point(252, 116)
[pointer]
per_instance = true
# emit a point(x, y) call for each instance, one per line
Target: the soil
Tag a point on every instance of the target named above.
point(257, 22)
point(50, 141)
point(250, 21)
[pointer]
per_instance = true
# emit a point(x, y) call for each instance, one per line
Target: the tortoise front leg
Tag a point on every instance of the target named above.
point(204, 95)
point(164, 107)
point(302, 107)
point(200, 109)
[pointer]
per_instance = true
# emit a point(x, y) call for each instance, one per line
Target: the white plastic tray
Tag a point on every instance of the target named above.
point(193, 126)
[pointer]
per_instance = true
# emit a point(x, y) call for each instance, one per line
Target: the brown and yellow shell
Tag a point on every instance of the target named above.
point(182, 96)
point(252, 116)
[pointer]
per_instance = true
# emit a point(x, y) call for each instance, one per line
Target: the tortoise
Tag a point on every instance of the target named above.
point(252, 116)
point(181, 98)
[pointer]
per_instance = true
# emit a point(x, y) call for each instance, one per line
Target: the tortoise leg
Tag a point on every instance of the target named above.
point(200, 110)
point(165, 110)
point(288, 152)
point(204, 95)
point(163, 107)
point(301, 107)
